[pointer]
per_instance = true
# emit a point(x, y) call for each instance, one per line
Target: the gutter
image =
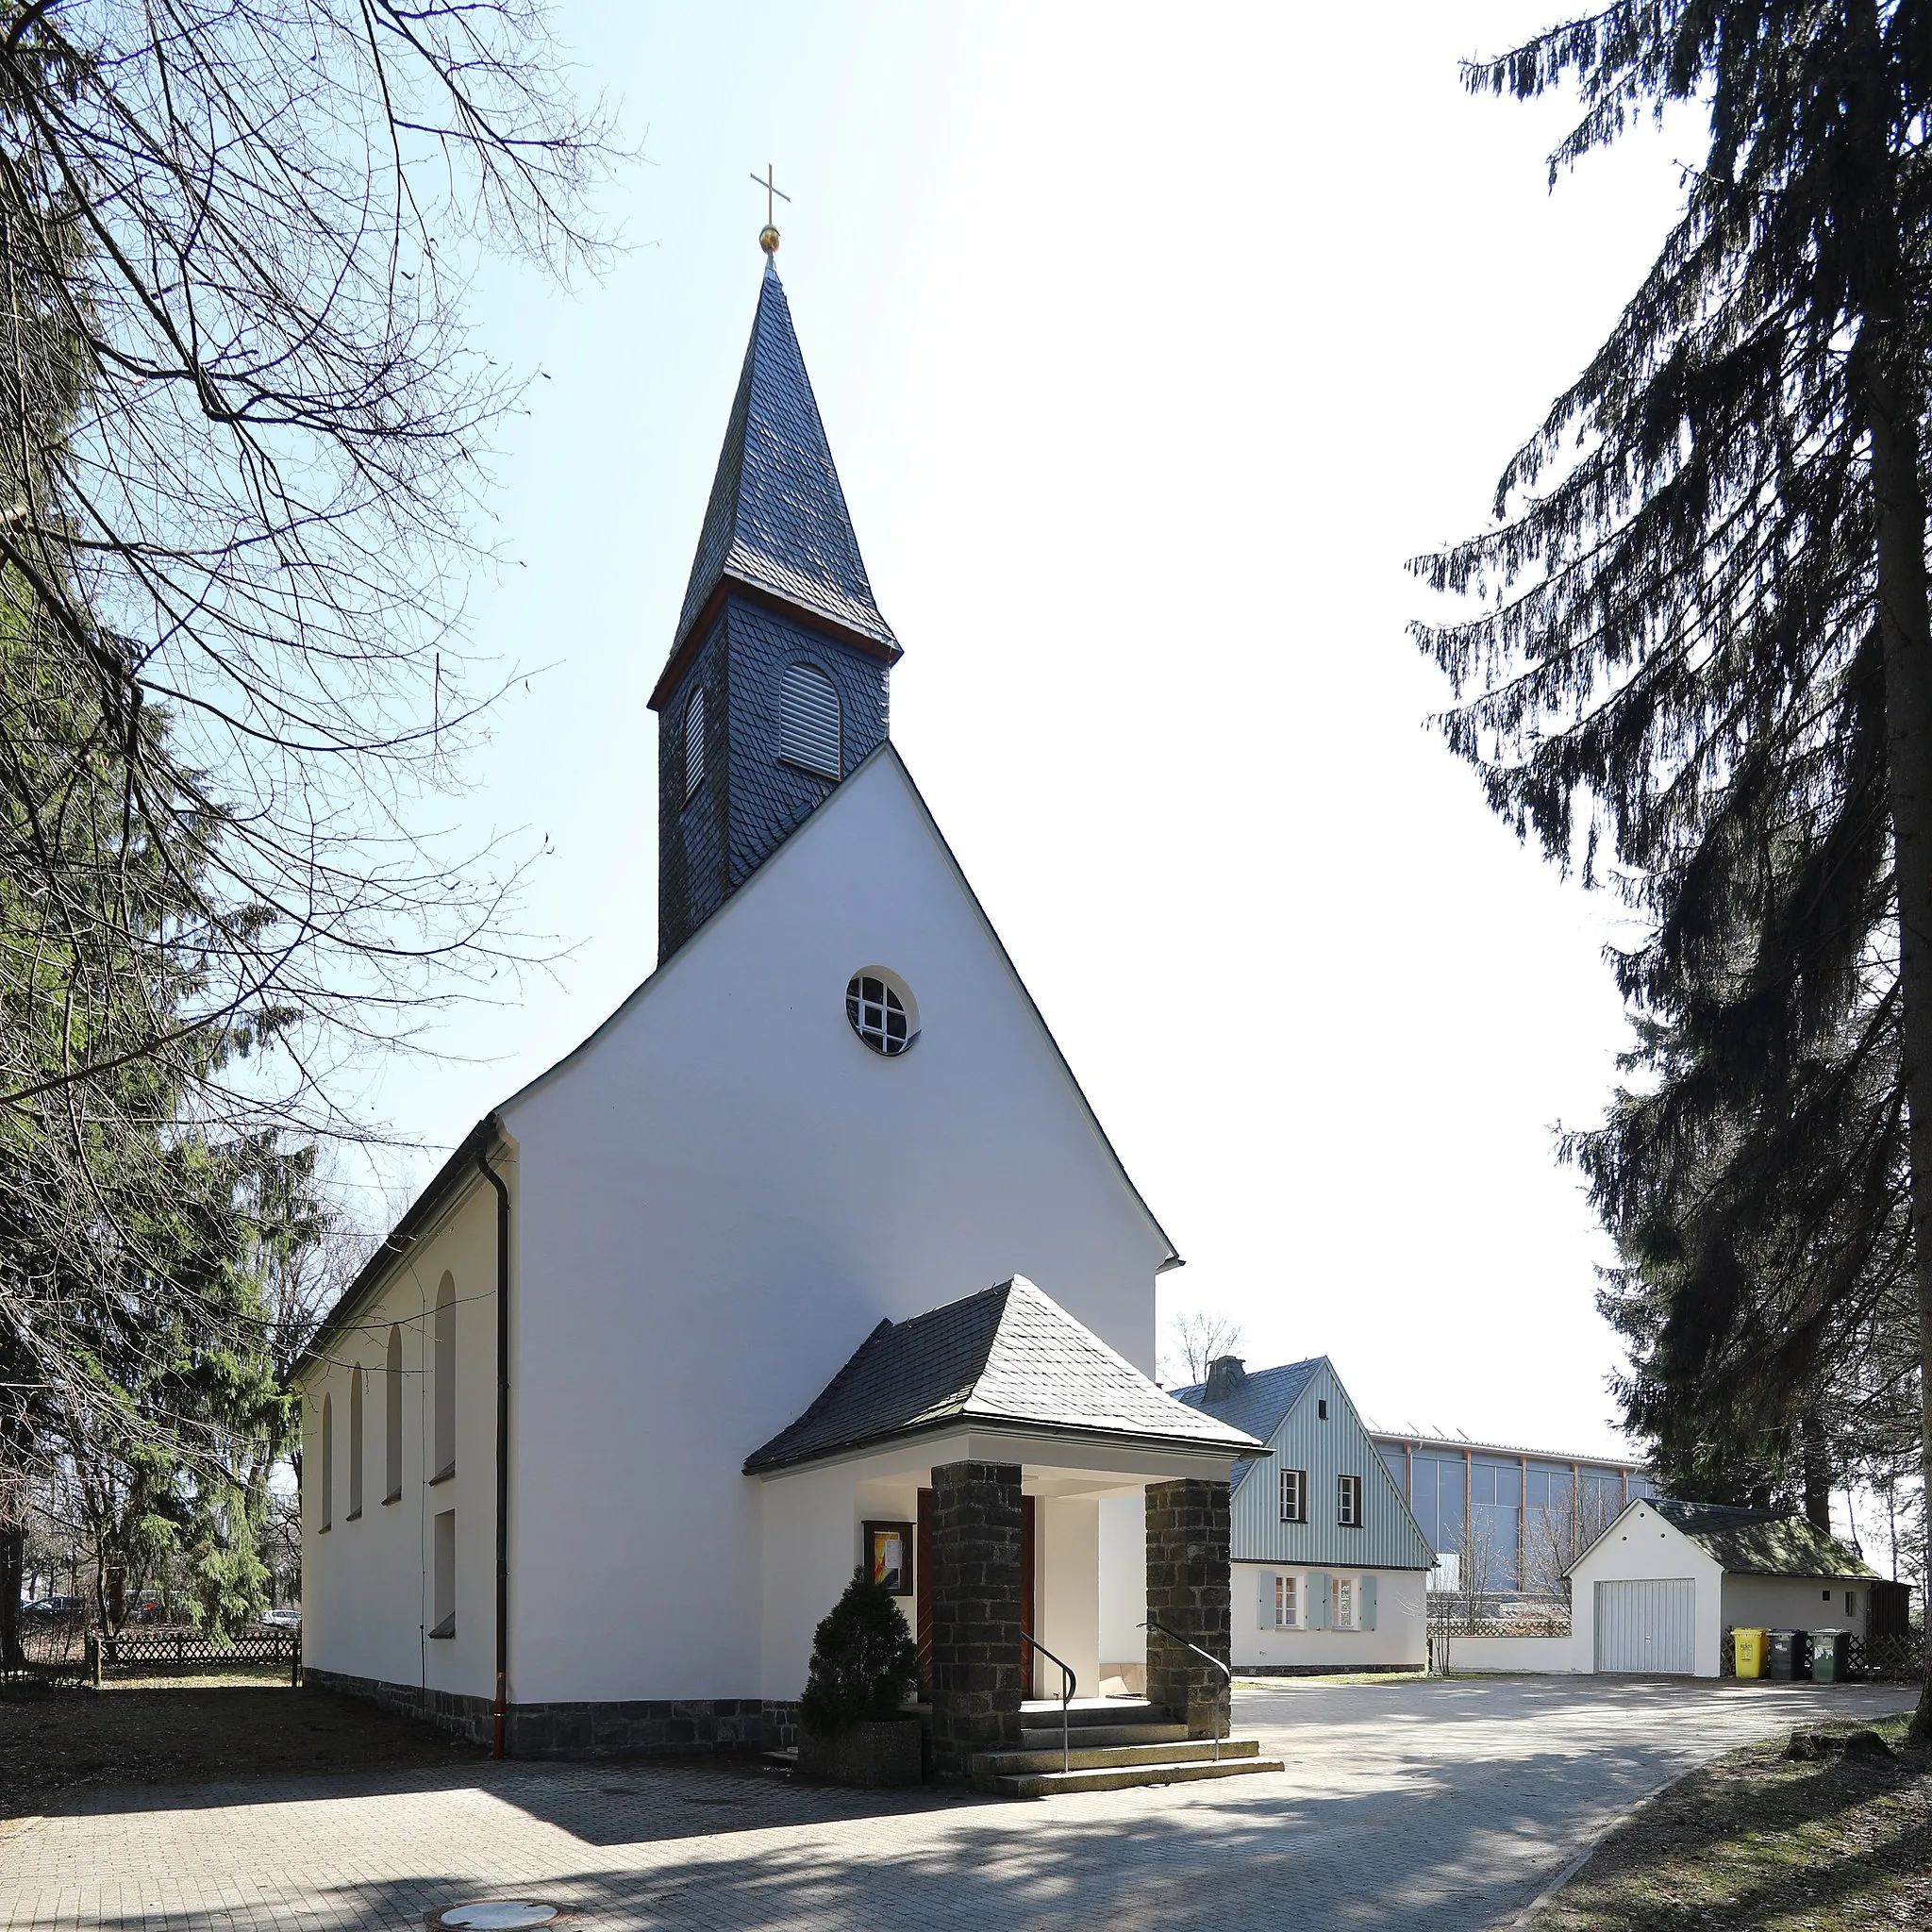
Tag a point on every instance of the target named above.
point(1245, 1450)
point(500, 1708)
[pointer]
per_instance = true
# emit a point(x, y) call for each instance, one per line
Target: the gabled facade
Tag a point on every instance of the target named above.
point(1330, 1570)
point(832, 1121)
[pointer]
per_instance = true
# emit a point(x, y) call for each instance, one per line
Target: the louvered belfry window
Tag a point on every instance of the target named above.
point(810, 722)
point(694, 741)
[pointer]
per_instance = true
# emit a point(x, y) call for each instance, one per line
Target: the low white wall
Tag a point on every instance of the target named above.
point(1557, 1656)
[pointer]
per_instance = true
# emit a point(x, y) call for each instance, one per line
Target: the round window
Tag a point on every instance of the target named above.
point(882, 1010)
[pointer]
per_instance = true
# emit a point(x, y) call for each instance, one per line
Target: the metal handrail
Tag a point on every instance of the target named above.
point(1155, 1623)
point(1069, 1684)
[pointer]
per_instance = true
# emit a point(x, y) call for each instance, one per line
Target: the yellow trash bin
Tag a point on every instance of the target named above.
point(1750, 1647)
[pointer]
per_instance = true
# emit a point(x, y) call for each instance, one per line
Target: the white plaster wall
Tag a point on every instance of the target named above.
point(366, 1582)
point(1400, 1635)
point(1641, 1546)
point(722, 1195)
point(1122, 1533)
point(1066, 1567)
point(813, 1540)
point(1556, 1655)
point(1793, 1603)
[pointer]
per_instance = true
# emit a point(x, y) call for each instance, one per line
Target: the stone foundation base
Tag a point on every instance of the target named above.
point(473, 1717)
point(779, 1724)
point(640, 1727)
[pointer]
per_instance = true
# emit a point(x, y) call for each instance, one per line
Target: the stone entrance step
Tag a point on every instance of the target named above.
point(1124, 1769)
point(1083, 1757)
point(1049, 1739)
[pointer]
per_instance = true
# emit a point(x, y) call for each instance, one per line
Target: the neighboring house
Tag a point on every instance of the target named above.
point(1528, 1512)
point(1329, 1567)
point(727, 1302)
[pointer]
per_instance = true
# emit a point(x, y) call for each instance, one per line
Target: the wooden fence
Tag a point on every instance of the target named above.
point(65, 1649)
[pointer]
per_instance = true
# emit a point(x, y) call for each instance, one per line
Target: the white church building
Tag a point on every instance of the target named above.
point(812, 1255)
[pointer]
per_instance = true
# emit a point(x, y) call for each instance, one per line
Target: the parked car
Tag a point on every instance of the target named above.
point(54, 1606)
point(283, 1619)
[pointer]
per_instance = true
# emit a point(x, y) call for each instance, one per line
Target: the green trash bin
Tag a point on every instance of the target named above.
point(1748, 1647)
point(1831, 1655)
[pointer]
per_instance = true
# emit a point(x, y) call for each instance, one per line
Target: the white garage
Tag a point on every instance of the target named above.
point(1653, 1594)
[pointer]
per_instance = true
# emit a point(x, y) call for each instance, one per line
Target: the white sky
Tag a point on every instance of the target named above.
point(1150, 343)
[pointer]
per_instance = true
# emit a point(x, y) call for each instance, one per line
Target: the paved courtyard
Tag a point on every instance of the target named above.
point(1455, 1800)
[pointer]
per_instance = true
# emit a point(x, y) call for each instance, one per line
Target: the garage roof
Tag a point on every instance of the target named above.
point(1761, 1542)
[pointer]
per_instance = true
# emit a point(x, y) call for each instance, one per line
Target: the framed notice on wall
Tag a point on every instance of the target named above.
point(889, 1555)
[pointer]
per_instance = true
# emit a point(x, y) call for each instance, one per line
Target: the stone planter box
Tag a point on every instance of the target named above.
point(868, 1753)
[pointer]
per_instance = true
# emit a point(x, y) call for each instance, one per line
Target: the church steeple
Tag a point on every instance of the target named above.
point(775, 686)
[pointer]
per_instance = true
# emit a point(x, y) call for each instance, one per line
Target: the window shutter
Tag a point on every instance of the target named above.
point(1316, 1617)
point(1365, 1596)
point(808, 716)
point(1264, 1610)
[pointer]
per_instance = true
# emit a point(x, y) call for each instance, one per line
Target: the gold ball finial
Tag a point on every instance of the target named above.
point(768, 238)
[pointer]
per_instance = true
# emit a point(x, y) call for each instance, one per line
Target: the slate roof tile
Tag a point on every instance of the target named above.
point(1010, 1355)
point(1258, 1403)
point(777, 518)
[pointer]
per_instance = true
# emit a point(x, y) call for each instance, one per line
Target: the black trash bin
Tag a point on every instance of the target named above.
point(1782, 1656)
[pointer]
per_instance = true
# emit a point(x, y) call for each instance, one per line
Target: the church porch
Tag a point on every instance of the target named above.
point(1032, 1500)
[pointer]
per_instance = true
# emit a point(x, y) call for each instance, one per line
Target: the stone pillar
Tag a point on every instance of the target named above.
point(1188, 1590)
point(975, 1612)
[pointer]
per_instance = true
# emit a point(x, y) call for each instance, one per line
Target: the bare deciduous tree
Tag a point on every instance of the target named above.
point(241, 430)
point(1195, 1337)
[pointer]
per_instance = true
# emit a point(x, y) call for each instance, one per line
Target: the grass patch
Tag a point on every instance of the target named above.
point(55, 1743)
point(1759, 1841)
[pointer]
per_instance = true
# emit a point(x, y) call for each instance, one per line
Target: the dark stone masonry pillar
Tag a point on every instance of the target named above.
point(975, 1611)
point(1188, 1590)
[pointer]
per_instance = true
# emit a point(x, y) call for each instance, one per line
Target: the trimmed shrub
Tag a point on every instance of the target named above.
point(863, 1660)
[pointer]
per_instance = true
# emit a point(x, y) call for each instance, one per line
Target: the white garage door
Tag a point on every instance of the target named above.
point(1648, 1626)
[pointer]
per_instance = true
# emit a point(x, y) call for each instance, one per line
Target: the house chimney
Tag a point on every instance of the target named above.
point(1226, 1373)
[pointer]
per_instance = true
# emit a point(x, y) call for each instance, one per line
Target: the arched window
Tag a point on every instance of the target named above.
point(325, 1488)
point(445, 1379)
point(694, 741)
point(808, 721)
point(392, 1418)
point(355, 1442)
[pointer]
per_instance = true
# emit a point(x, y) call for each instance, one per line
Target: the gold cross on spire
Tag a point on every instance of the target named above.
point(768, 234)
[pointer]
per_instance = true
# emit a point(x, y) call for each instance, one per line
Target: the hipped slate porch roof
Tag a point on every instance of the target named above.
point(1006, 1357)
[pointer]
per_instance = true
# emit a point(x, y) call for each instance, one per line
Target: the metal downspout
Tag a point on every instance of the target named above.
point(502, 1187)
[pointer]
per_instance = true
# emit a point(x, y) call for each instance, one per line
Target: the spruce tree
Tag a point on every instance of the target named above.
point(1702, 663)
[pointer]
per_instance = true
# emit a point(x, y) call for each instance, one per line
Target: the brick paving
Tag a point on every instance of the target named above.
point(1459, 1800)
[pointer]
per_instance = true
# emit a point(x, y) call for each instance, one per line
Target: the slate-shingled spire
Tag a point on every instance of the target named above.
point(777, 520)
point(778, 583)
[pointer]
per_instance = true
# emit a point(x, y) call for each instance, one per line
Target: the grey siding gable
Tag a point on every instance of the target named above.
point(1387, 1538)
